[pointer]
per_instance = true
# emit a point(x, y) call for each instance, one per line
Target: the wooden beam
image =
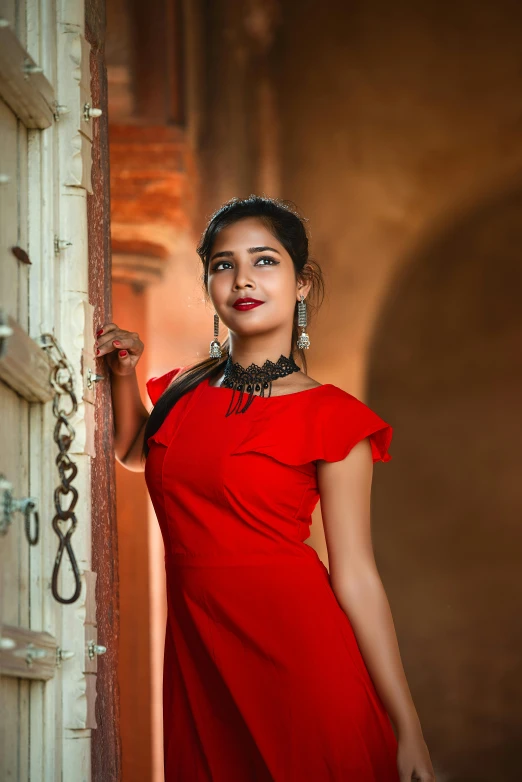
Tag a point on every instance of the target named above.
point(23, 85)
point(23, 363)
point(32, 656)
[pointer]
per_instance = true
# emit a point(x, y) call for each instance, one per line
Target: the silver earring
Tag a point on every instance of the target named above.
point(215, 347)
point(303, 341)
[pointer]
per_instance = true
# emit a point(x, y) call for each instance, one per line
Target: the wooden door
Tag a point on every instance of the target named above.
point(48, 643)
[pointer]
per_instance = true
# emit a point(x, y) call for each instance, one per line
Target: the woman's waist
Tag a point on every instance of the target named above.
point(298, 554)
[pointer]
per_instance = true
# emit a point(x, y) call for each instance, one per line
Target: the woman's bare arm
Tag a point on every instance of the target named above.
point(345, 490)
point(130, 417)
point(122, 350)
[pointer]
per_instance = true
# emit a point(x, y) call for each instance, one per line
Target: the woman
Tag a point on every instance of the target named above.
point(275, 668)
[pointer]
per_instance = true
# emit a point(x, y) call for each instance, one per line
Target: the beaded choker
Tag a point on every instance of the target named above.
point(254, 379)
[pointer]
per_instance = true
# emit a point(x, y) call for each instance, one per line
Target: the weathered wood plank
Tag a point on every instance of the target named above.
point(13, 662)
point(24, 365)
point(22, 84)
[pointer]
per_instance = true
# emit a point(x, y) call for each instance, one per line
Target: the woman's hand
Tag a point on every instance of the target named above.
point(413, 759)
point(122, 349)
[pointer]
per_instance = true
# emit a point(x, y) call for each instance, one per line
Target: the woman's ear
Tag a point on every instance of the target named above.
point(303, 287)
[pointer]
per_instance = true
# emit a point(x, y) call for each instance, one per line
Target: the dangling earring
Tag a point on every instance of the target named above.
point(215, 347)
point(303, 341)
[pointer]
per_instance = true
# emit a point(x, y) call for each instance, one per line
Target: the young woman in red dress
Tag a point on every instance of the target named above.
point(275, 668)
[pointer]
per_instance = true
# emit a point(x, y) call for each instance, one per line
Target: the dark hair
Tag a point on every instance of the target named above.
point(282, 219)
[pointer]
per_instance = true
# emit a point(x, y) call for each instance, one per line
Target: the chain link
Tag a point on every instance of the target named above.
point(62, 381)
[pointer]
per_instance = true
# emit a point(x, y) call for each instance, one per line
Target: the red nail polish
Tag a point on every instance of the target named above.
point(100, 331)
point(97, 351)
point(116, 342)
point(123, 353)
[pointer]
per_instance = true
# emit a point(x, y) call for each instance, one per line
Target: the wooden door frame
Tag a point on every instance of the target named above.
point(106, 744)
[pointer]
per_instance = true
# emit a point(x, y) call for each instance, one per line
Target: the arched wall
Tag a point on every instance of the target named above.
point(445, 363)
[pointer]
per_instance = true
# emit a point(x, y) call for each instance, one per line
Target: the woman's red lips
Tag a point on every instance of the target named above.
point(246, 304)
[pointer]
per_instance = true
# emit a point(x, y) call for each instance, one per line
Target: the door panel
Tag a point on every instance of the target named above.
point(46, 702)
point(9, 296)
point(15, 693)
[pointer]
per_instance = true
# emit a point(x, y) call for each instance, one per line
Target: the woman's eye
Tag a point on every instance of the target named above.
point(268, 258)
point(216, 267)
point(272, 262)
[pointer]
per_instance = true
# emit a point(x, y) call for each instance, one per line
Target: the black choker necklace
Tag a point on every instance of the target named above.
point(254, 378)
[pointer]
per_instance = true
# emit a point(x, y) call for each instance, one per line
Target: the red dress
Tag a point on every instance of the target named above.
point(263, 676)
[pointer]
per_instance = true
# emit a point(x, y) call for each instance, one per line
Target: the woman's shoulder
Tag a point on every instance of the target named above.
point(330, 401)
point(323, 422)
point(326, 392)
point(346, 420)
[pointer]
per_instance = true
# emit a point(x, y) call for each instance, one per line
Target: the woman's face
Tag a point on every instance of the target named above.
point(247, 261)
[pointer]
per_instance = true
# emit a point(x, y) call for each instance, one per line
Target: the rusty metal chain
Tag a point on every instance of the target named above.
point(62, 380)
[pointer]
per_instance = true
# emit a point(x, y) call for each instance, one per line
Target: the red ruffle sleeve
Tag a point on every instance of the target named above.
point(345, 422)
point(157, 385)
point(306, 427)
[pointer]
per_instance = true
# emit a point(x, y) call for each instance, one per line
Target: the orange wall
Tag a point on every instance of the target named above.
point(134, 672)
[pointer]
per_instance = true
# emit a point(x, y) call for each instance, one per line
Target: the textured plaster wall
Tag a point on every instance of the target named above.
point(394, 117)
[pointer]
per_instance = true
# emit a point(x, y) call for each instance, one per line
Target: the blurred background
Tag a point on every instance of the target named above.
point(396, 130)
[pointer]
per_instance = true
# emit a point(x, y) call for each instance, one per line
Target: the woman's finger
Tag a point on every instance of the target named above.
point(104, 343)
point(119, 340)
point(128, 343)
point(105, 328)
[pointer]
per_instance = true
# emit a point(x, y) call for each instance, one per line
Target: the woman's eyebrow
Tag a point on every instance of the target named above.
point(252, 250)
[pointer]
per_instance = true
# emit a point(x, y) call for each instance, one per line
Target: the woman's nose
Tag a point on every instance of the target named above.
point(243, 280)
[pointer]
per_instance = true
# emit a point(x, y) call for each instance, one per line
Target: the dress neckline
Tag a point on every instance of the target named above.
point(277, 396)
